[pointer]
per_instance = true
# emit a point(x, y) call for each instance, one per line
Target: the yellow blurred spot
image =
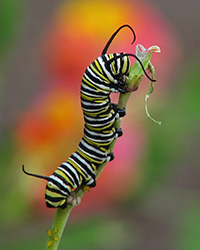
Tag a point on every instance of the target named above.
point(97, 17)
point(49, 243)
point(55, 230)
point(56, 238)
point(49, 233)
point(86, 188)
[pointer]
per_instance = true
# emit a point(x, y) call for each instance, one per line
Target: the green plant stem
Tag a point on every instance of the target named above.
point(62, 215)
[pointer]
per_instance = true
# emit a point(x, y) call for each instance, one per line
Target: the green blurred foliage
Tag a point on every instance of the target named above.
point(181, 119)
point(10, 18)
point(99, 233)
point(188, 228)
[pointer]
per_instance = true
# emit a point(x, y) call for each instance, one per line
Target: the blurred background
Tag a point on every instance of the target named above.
point(148, 198)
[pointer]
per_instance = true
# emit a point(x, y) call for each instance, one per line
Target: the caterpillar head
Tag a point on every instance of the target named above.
point(125, 66)
point(120, 66)
point(120, 63)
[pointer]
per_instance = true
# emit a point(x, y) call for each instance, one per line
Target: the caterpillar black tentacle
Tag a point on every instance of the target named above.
point(113, 36)
point(34, 175)
point(106, 75)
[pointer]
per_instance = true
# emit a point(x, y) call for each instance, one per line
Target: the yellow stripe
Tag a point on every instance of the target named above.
point(54, 204)
point(111, 56)
point(98, 66)
point(97, 143)
point(127, 65)
point(105, 131)
point(113, 68)
point(53, 194)
point(62, 202)
point(98, 99)
point(94, 167)
point(87, 97)
point(105, 115)
point(84, 155)
point(126, 60)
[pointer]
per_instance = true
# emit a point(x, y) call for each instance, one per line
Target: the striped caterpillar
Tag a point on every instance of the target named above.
point(106, 74)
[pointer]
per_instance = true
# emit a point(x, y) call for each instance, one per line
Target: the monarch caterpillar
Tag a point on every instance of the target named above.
point(108, 73)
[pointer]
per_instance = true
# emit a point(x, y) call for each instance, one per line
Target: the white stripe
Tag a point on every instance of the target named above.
point(86, 86)
point(93, 110)
point(103, 125)
point(90, 181)
point(89, 94)
point(95, 103)
point(118, 65)
point(105, 120)
point(103, 141)
point(101, 119)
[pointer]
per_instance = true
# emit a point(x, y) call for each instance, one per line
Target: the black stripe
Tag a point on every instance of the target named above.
point(91, 151)
point(100, 121)
point(92, 92)
point(99, 136)
point(115, 63)
point(100, 141)
point(94, 107)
